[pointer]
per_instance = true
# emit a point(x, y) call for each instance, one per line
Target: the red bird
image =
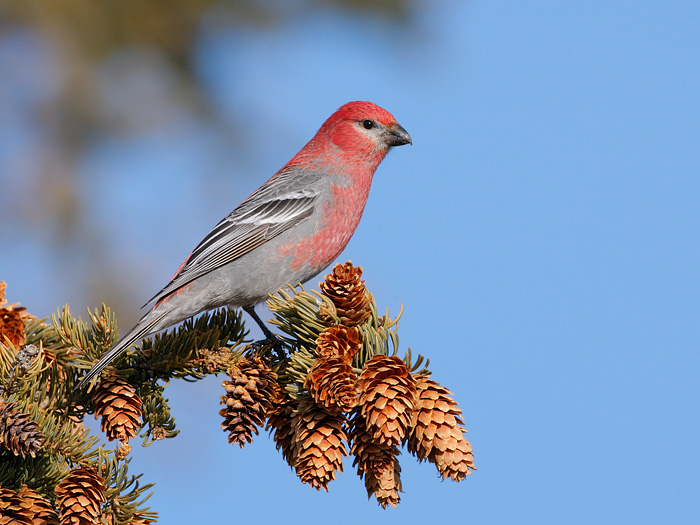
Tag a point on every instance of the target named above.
point(288, 231)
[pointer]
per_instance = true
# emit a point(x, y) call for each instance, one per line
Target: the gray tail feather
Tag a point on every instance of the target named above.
point(137, 332)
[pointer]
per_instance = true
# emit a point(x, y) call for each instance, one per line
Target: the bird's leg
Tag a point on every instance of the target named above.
point(270, 338)
point(250, 310)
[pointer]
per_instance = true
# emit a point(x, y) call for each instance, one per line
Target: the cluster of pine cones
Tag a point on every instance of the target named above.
point(18, 432)
point(78, 500)
point(370, 410)
point(351, 401)
point(79, 497)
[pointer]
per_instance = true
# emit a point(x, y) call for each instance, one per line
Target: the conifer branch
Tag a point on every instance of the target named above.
point(338, 387)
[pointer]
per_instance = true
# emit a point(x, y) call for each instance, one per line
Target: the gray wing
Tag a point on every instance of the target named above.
point(279, 204)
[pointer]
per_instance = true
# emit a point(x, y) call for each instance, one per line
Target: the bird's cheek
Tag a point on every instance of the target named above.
point(348, 139)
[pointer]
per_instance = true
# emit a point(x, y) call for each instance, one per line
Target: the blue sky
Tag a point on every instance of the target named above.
point(541, 233)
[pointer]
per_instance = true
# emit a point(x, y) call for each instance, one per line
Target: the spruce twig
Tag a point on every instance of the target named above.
point(340, 385)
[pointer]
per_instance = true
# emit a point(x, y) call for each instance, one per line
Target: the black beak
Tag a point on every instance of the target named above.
point(397, 136)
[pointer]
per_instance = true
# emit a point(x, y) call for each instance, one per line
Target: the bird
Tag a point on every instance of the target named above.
point(289, 230)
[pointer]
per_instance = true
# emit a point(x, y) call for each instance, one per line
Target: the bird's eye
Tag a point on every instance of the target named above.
point(367, 124)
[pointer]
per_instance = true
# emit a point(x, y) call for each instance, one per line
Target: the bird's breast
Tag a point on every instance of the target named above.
point(332, 226)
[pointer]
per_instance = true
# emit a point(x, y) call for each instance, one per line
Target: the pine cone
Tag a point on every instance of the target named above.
point(119, 407)
point(248, 399)
point(41, 510)
point(11, 321)
point(13, 511)
point(332, 383)
point(214, 361)
point(348, 293)
point(376, 463)
point(339, 341)
point(438, 433)
point(280, 422)
point(387, 398)
point(79, 497)
point(124, 451)
point(18, 432)
point(159, 433)
point(25, 358)
point(319, 444)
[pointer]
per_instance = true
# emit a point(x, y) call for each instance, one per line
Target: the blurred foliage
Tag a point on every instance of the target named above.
point(86, 32)
point(98, 28)
point(78, 82)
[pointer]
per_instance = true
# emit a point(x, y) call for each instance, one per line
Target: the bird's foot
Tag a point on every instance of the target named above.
point(270, 347)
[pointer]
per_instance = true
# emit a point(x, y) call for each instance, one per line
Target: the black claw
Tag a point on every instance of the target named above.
point(276, 347)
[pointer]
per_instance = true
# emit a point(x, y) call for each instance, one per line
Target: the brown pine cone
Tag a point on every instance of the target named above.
point(119, 407)
point(12, 321)
point(13, 510)
point(79, 497)
point(339, 340)
point(387, 397)
point(437, 431)
point(248, 399)
point(376, 463)
point(348, 293)
point(280, 422)
point(12, 326)
point(319, 444)
point(333, 384)
point(39, 508)
point(18, 432)
point(124, 450)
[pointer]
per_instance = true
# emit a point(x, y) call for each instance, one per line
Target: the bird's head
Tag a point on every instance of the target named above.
point(364, 127)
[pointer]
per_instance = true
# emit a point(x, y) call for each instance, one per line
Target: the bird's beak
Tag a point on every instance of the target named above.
point(397, 136)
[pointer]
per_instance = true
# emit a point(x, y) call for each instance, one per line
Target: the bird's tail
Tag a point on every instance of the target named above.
point(142, 329)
